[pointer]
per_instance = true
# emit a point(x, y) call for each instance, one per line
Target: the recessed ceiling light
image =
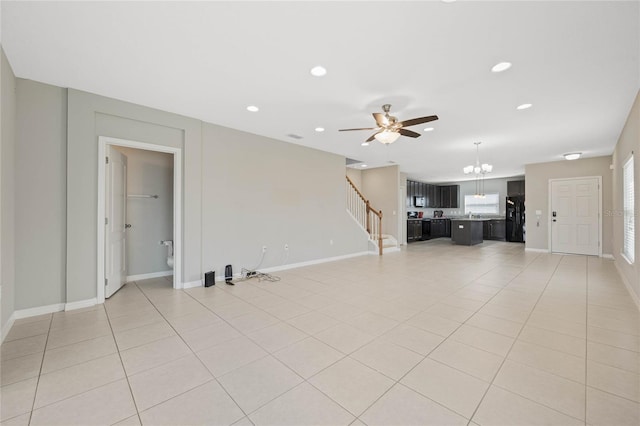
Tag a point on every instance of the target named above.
point(318, 71)
point(319, 129)
point(363, 165)
point(365, 144)
point(572, 155)
point(502, 66)
point(524, 106)
point(253, 108)
point(428, 129)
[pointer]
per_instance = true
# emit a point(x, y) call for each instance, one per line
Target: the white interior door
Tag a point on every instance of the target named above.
point(115, 214)
point(575, 221)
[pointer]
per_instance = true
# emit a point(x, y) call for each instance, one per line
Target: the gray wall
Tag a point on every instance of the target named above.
point(381, 187)
point(91, 116)
point(7, 223)
point(263, 192)
point(148, 172)
point(537, 196)
point(629, 141)
point(356, 177)
point(40, 194)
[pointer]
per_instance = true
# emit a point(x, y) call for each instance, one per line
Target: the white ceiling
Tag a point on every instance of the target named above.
point(576, 62)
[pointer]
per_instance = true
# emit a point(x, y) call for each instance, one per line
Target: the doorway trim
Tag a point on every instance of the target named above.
point(103, 142)
point(549, 214)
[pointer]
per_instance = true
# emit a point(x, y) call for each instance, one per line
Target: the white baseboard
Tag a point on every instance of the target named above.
point(632, 294)
point(80, 304)
point(148, 276)
point(39, 310)
point(608, 256)
point(312, 262)
point(7, 327)
point(192, 284)
point(536, 250)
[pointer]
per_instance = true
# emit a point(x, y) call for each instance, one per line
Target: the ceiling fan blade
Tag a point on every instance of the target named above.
point(364, 128)
point(381, 119)
point(410, 133)
point(420, 120)
point(372, 137)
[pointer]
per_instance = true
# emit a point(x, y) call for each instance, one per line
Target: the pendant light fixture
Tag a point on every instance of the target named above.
point(479, 170)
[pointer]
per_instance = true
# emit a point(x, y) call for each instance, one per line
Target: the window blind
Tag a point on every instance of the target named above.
point(629, 213)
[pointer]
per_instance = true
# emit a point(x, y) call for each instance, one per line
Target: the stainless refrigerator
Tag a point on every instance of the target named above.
point(516, 230)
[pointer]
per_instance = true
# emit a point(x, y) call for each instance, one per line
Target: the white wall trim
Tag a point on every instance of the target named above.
point(192, 284)
point(148, 276)
point(550, 212)
point(536, 250)
point(7, 326)
point(103, 141)
point(608, 256)
point(632, 294)
point(38, 310)
point(312, 262)
point(80, 304)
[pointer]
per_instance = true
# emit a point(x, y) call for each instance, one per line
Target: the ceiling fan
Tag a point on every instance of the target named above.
point(390, 129)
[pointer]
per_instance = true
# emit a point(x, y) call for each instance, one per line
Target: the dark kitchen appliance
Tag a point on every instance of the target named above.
point(438, 213)
point(515, 219)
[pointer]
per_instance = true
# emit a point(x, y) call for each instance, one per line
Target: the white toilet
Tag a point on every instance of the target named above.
point(169, 244)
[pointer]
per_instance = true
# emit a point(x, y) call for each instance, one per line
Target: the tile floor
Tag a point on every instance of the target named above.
point(436, 334)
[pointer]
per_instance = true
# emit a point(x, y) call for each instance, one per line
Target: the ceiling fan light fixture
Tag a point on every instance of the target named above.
point(387, 136)
point(365, 143)
point(429, 129)
point(318, 71)
point(572, 156)
point(501, 66)
point(468, 169)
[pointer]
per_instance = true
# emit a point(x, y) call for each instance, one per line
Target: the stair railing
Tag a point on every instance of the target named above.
point(368, 217)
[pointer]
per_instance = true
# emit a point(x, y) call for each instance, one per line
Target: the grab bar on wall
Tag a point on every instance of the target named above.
point(141, 196)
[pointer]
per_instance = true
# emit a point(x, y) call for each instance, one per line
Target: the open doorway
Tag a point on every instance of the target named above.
point(139, 214)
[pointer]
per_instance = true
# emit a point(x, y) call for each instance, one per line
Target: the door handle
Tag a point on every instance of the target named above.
point(554, 220)
point(127, 225)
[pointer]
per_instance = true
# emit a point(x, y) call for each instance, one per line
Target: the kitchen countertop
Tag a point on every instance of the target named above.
point(479, 219)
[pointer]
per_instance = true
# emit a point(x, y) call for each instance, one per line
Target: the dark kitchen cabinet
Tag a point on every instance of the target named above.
point(515, 188)
point(494, 230)
point(448, 196)
point(467, 232)
point(426, 229)
point(433, 198)
point(414, 230)
point(440, 228)
point(445, 196)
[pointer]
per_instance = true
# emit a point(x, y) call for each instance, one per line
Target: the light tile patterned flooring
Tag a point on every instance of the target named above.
point(436, 334)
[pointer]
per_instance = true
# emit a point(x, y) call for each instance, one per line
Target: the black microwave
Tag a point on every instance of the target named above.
point(418, 201)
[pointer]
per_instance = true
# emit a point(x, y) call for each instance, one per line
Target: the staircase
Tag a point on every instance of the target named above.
point(369, 219)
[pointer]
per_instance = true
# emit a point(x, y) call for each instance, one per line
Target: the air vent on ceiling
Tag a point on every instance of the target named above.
point(294, 136)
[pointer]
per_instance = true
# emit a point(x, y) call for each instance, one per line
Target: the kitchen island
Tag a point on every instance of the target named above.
point(467, 231)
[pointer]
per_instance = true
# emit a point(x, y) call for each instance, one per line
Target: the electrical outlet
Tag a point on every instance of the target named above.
point(286, 247)
point(264, 249)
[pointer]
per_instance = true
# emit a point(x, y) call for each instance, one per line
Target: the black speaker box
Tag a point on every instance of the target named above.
point(209, 278)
